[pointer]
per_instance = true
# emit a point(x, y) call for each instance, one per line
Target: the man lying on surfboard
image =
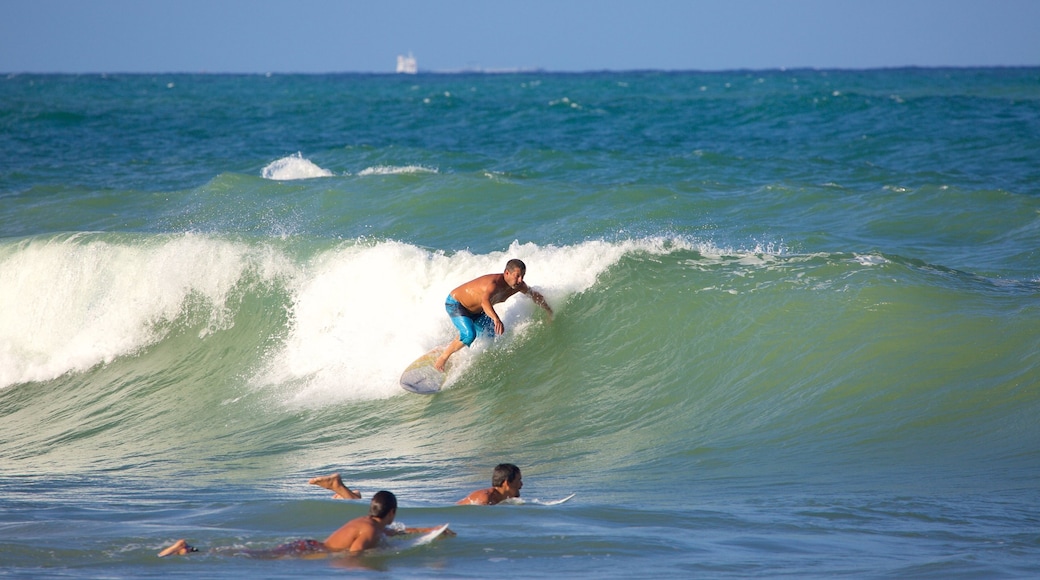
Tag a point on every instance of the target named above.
point(354, 536)
point(471, 306)
point(506, 482)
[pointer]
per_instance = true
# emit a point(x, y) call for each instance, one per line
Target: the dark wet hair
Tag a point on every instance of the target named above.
point(514, 264)
point(383, 502)
point(504, 472)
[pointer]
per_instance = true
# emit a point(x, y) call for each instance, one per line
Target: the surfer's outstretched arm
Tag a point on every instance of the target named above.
point(538, 299)
point(335, 484)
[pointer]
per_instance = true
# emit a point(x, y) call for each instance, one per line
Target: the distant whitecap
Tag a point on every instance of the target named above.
point(396, 170)
point(293, 167)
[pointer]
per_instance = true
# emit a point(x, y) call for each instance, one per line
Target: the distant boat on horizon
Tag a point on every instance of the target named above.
point(406, 64)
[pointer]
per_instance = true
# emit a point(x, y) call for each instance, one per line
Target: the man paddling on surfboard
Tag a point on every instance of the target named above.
point(354, 536)
point(471, 306)
point(506, 482)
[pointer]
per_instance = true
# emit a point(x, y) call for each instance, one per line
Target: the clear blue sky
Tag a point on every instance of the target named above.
point(258, 36)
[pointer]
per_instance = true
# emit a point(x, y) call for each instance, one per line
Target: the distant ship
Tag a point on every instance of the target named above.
point(407, 64)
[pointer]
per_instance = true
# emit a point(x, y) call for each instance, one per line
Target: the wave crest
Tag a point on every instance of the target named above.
point(293, 167)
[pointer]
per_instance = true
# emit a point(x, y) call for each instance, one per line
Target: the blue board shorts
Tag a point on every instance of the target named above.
point(470, 324)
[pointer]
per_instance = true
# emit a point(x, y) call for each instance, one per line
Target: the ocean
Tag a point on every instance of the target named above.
point(796, 324)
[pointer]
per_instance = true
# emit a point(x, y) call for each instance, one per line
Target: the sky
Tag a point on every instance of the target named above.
point(330, 36)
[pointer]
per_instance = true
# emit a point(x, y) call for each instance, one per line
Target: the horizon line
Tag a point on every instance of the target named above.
point(529, 70)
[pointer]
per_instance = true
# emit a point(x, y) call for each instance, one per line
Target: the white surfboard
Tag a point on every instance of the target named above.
point(420, 376)
point(553, 502)
point(416, 541)
point(536, 501)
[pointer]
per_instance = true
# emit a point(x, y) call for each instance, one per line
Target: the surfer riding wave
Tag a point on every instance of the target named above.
point(472, 305)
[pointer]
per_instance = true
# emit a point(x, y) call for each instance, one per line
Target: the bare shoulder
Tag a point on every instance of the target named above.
point(348, 534)
point(479, 497)
point(483, 284)
point(495, 280)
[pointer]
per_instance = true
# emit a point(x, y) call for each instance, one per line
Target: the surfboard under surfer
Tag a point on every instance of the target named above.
point(471, 305)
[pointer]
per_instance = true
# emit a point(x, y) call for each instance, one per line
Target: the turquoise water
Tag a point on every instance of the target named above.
point(795, 332)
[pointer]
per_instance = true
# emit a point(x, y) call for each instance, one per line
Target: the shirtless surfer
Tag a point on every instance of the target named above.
point(335, 484)
point(471, 306)
point(354, 536)
point(506, 482)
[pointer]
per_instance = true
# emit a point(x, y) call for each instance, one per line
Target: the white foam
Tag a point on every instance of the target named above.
point(71, 303)
point(395, 170)
point(293, 167)
point(361, 313)
point(870, 259)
